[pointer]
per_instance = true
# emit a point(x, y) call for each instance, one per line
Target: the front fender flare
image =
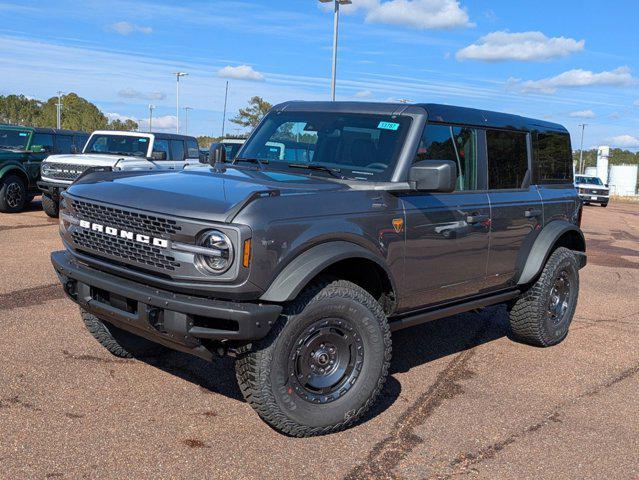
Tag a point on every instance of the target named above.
point(14, 167)
point(301, 270)
point(543, 246)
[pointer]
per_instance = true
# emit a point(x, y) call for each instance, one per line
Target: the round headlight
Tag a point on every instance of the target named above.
point(46, 169)
point(219, 257)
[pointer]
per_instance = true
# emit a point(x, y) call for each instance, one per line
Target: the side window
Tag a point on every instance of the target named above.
point(553, 158)
point(45, 140)
point(459, 144)
point(193, 149)
point(162, 145)
point(63, 143)
point(177, 148)
point(507, 159)
point(80, 141)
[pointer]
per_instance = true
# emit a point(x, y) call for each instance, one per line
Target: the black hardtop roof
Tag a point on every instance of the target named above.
point(170, 136)
point(436, 113)
point(45, 129)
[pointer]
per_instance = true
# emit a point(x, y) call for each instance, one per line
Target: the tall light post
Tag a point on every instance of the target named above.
point(59, 110)
point(335, 30)
point(177, 98)
point(226, 96)
point(151, 107)
point(186, 119)
point(581, 148)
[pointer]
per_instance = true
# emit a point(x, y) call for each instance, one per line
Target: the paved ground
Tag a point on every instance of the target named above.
point(462, 399)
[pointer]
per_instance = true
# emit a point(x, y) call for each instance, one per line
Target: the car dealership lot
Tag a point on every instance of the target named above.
point(461, 399)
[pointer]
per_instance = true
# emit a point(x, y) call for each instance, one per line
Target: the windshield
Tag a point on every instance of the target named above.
point(15, 139)
point(353, 146)
point(589, 180)
point(118, 145)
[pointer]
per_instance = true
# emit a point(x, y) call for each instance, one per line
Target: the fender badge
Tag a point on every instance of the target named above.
point(398, 225)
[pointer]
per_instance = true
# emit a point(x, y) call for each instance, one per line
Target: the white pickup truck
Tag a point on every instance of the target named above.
point(119, 151)
point(592, 190)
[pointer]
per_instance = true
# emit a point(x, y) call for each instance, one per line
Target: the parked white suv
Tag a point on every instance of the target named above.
point(118, 151)
point(592, 190)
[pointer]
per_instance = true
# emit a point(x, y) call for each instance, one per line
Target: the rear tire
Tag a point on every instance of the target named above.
point(323, 364)
point(120, 342)
point(13, 194)
point(604, 205)
point(542, 315)
point(50, 206)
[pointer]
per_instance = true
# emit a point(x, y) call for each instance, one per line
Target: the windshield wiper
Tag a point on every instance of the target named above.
point(260, 162)
point(320, 168)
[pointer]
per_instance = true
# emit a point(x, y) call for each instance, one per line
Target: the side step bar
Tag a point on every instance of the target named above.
point(423, 316)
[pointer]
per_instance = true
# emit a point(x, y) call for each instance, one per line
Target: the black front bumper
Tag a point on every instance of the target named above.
point(52, 189)
point(186, 323)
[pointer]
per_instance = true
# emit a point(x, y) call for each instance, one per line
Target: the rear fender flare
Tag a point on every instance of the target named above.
point(543, 247)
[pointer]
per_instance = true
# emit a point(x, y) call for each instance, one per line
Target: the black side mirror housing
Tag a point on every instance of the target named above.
point(158, 155)
point(433, 176)
point(217, 154)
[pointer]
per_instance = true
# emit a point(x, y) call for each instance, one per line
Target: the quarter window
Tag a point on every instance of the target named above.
point(177, 148)
point(507, 159)
point(458, 144)
point(553, 158)
point(193, 149)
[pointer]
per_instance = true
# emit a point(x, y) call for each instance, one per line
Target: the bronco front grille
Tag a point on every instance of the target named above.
point(115, 217)
point(127, 250)
point(65, 171)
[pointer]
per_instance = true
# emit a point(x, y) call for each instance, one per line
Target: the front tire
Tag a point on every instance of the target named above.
point(542, 315)
point(13, 194)
point(323, 365)
point(50, 206)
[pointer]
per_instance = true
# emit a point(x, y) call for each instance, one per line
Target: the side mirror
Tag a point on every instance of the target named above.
point(74, 149)
point(158, 155)
point(204, 157)
point(38, 149)
point(433, 176)
point(217, 154)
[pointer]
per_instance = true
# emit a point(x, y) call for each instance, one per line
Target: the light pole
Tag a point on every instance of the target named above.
point(335, 30)
point(59, 110)
point(151, 107)
point(186, 119)
point(226, 96)
point(581, 148)
point(177, 98)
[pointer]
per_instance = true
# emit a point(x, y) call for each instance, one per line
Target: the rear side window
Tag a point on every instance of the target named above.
point(177, 148)
point(162, 145)
point(193, 149)
point(63, 143)
point(458, 144)
point(553, 158)
point(44, 140)
point(507, 159)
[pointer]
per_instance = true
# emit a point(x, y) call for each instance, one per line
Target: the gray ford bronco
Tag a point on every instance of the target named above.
point(301, 260)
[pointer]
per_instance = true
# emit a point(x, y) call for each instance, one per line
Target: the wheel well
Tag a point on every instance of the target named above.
point(19, 173)
point(368, 275)
point(571, 240)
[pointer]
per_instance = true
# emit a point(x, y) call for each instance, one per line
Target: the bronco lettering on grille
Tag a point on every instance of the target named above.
point(127, 235)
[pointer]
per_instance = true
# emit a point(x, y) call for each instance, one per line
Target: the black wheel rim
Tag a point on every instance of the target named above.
point(326, 361)
point(559, 302)
point(14, 196)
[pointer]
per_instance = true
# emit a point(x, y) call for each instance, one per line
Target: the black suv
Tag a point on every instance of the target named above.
point(301, 259)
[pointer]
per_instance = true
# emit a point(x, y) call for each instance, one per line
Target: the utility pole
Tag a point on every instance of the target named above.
point(177, 98)
point(581, 149)
point(335, 31)
point(151, 107)
point(186, 120)
point(59, 110)
point(226, 96)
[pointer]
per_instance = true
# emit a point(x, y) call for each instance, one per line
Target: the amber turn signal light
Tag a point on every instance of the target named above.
point(246, 257)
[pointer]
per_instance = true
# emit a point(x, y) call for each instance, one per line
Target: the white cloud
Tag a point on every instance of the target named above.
point(116, 116)
point(132, 93)
point(422, 14)
point(241, 72)
point(619, 77)
point(583, 114)
point(364, 94)
point(636, 104)
point(624, 141)
point(524, 46)
point(126, 28)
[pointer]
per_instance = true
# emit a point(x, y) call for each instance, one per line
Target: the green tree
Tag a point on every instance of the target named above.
point(128, 125)
point(253, 114)
point(77, 114)
point(18, 109)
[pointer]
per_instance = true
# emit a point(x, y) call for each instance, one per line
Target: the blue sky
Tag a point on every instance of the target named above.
point(569, 61)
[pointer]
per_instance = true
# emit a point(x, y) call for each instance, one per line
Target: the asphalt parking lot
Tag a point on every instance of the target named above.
point(462, 399)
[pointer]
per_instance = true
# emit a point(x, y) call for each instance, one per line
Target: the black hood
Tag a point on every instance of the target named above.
point(201, 192)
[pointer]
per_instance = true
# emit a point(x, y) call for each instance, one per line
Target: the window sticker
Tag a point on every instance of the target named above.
point(23, 134)
point(143, 140)
point(388, 126)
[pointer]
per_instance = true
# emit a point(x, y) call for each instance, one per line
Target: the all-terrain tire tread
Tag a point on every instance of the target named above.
point(101, 333)
point(50, 206)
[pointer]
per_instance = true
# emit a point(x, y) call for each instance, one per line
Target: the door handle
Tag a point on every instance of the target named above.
point(532, 213)
point(471, 219)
